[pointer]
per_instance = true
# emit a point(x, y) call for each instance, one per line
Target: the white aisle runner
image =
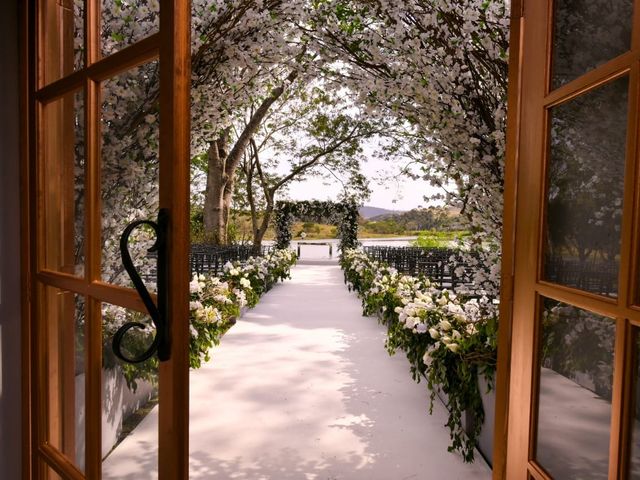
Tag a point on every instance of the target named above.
point(302, 388)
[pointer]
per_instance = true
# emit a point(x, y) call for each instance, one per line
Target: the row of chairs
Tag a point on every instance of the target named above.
point(441, 265)
point(211, 259)
point(599, 277)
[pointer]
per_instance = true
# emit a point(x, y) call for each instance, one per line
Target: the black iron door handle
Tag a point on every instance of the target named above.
point(158, 313)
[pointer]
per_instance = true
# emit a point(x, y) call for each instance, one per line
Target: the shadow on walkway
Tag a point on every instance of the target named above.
point(302, 388)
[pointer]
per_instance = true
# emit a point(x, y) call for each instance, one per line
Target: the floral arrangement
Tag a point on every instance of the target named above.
point(449, 340)
point(216, 303)
point(344, 215)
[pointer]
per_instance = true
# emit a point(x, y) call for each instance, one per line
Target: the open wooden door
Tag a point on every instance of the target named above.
point(106, 144)
point(573, 390)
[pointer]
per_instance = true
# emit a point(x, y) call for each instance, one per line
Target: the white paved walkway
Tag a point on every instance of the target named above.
point(302, 388)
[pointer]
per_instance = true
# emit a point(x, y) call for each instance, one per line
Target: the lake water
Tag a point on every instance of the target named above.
point(318, 250)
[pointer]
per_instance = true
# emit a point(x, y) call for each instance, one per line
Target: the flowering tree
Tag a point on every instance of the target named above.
point(438, 66)
point(230, 73)
point(441, 67)
point(314, 134)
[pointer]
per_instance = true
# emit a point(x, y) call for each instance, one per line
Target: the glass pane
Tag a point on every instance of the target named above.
point(130, 163)
point(78, 34)
point(588, 33)
point(574, 404)
point(62, 180)
point(63, 34)
point(634, 467)
point(130, 399)
point(585, 178)
point(63, 319)
point(125, 22)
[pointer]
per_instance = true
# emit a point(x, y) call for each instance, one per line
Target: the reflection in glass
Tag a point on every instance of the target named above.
point(78, 34)
point(129, 174)
point(62, 24)
point(62, 181)
point(574, 405)
point(64, 322)
point(585, 180)
point(128, 22)
point(588, 33)
point(130, 398)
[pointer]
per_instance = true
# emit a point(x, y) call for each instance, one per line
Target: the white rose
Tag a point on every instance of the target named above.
point(194, 286)
point(444, 325)
point(426, 359)
point(454, 347)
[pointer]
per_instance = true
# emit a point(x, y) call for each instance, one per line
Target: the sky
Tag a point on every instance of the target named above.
point(396, 194)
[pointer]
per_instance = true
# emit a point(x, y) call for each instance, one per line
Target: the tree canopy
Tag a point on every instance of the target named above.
point(427, 75)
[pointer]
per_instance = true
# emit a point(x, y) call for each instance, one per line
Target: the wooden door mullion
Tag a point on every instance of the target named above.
point(93, 356)
point(526, 245)
point(501, 424)
point(618, 444)
point(93, 385)
point(93, 422)
point(91, 32)
point(622, 394)
point(175, 94)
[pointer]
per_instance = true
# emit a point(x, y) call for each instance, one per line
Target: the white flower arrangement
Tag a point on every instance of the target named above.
point(438, 329)
point(343, 214)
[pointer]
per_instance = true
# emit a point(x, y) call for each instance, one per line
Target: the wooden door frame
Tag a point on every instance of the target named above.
point(510, 195)
point(174, 48)
point(519, 368)
point(175, 136)
point(178, 469)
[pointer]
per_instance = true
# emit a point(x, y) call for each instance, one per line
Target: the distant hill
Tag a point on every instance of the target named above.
point(370, 212)
point(439, 218)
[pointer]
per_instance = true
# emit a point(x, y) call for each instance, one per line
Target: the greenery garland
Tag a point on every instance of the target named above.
point(447, 339)
point(343, 214)
point(216, 303)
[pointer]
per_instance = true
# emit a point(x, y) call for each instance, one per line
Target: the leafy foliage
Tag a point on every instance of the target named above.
point(344, 215)
point(448, 340)
point(436, 239)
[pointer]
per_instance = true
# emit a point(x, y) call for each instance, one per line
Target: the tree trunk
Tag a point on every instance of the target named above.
point(214, 220)
point(227, 199)
point(258, 234)
point(249, 169)
point(221, 178)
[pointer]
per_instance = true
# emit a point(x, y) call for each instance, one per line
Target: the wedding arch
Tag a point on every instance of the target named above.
point(342, 214)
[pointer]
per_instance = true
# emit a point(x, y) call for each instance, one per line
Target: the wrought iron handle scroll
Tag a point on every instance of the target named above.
point(158, 313)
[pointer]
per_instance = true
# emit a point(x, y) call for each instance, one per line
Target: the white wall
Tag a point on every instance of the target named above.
point(10, 378)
